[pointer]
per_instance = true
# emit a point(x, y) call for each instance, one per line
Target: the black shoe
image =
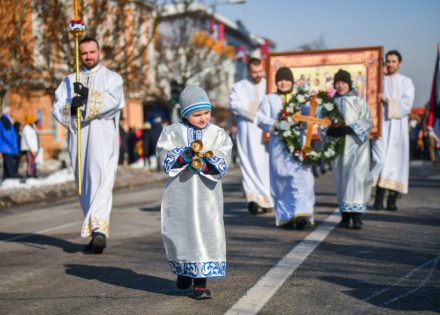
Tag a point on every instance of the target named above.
point(267, 210)
point(345, 221)
point(97, 244)
point(391, 201)
point(253, 208)
point(201, 292)
point(378, 199)
point(357, 220)
point(300, 223)
point(183, 282)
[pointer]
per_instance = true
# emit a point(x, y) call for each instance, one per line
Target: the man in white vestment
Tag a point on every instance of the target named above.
point(390, 169)
point(245, 97)
point(100, 97)
point(292, 183)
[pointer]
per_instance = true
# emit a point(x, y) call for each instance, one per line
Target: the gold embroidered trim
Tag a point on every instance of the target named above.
point(66, 114)
point(94, 104)
point(393, 185)
point(94, 225)
point(262, 201)
point(392, 108)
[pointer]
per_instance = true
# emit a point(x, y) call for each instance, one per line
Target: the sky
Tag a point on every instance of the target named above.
point(410, 26)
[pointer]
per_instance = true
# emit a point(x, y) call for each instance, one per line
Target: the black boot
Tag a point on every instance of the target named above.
point(200, 290)
point(391, 201)
point(357, 220)
point(378, 200)
point(345, 222)
point(97, 244)
point(253, 208)
point(183, 282)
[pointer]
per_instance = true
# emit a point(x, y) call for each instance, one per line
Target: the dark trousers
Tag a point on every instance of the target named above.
point(9, 166)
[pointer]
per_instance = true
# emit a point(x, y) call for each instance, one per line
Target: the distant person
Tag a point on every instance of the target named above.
point(292, 182)
point(156, 130)
point(123, 142)
point(145, 138)
point(195, 156)
point(17, 126)
point(352, 168)
point(391, 151)
point(100, 97)
point(245, 98)
point(30, 145)
point(8, 144)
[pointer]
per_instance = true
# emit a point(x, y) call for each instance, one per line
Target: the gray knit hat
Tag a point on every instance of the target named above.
point(192, 99)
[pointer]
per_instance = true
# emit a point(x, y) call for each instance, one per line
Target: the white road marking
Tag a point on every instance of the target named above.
point(25, 235)
point(257, 296)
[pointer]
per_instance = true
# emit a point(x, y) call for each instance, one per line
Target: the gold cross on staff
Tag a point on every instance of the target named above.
point(311, 120)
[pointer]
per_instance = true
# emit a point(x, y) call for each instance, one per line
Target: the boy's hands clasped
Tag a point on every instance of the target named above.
point(194, 156)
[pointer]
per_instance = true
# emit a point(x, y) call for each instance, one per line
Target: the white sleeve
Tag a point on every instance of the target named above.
point(239, 105)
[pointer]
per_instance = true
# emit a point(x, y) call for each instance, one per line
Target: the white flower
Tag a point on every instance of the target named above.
point(291, 148)
point(289, 109)
point(287, 133)
point(300, 157)
point(318, 101)
point(283, 125)
point(329, 106)
point(301, 99)
point(290, 121)
point(329, 153)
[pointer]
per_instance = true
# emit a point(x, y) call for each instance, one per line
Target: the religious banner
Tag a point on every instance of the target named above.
point(314, 70)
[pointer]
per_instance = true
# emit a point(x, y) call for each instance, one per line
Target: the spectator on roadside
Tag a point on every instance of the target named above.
point(8, 144)
point(123, 142)
point(30, 145)
point(156, 129)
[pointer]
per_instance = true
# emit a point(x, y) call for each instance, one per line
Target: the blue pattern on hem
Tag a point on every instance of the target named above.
point(207, 269)
point(360, 132)
point(352, 207)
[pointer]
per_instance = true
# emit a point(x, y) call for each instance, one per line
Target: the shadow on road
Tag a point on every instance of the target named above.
point(40, 239)
point(125, 278)
point(151, 209)
point(399, 297)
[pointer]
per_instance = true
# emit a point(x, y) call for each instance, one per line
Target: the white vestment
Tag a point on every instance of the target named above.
point(391, 151)
point(254, 157)
point(292, 183)
point(99, 141)
point(352, 168)
point(192, 204)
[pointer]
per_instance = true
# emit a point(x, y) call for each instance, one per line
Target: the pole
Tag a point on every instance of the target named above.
point(76, 27)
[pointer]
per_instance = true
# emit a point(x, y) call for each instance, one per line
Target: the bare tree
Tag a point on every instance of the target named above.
point(186, 51)
point(37, 51)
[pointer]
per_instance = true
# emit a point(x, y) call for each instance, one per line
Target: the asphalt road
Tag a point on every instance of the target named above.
point(391, 266)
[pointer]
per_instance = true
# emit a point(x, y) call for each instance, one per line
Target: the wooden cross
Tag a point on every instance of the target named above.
point(311, 120)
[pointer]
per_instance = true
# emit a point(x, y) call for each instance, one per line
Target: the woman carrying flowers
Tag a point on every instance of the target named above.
point(292, 182)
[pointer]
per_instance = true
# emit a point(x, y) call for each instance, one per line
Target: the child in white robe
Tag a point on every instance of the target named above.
point(352, 168)
point(196, 156)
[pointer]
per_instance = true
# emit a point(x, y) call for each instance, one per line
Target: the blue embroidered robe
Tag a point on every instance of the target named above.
point(192, 205)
